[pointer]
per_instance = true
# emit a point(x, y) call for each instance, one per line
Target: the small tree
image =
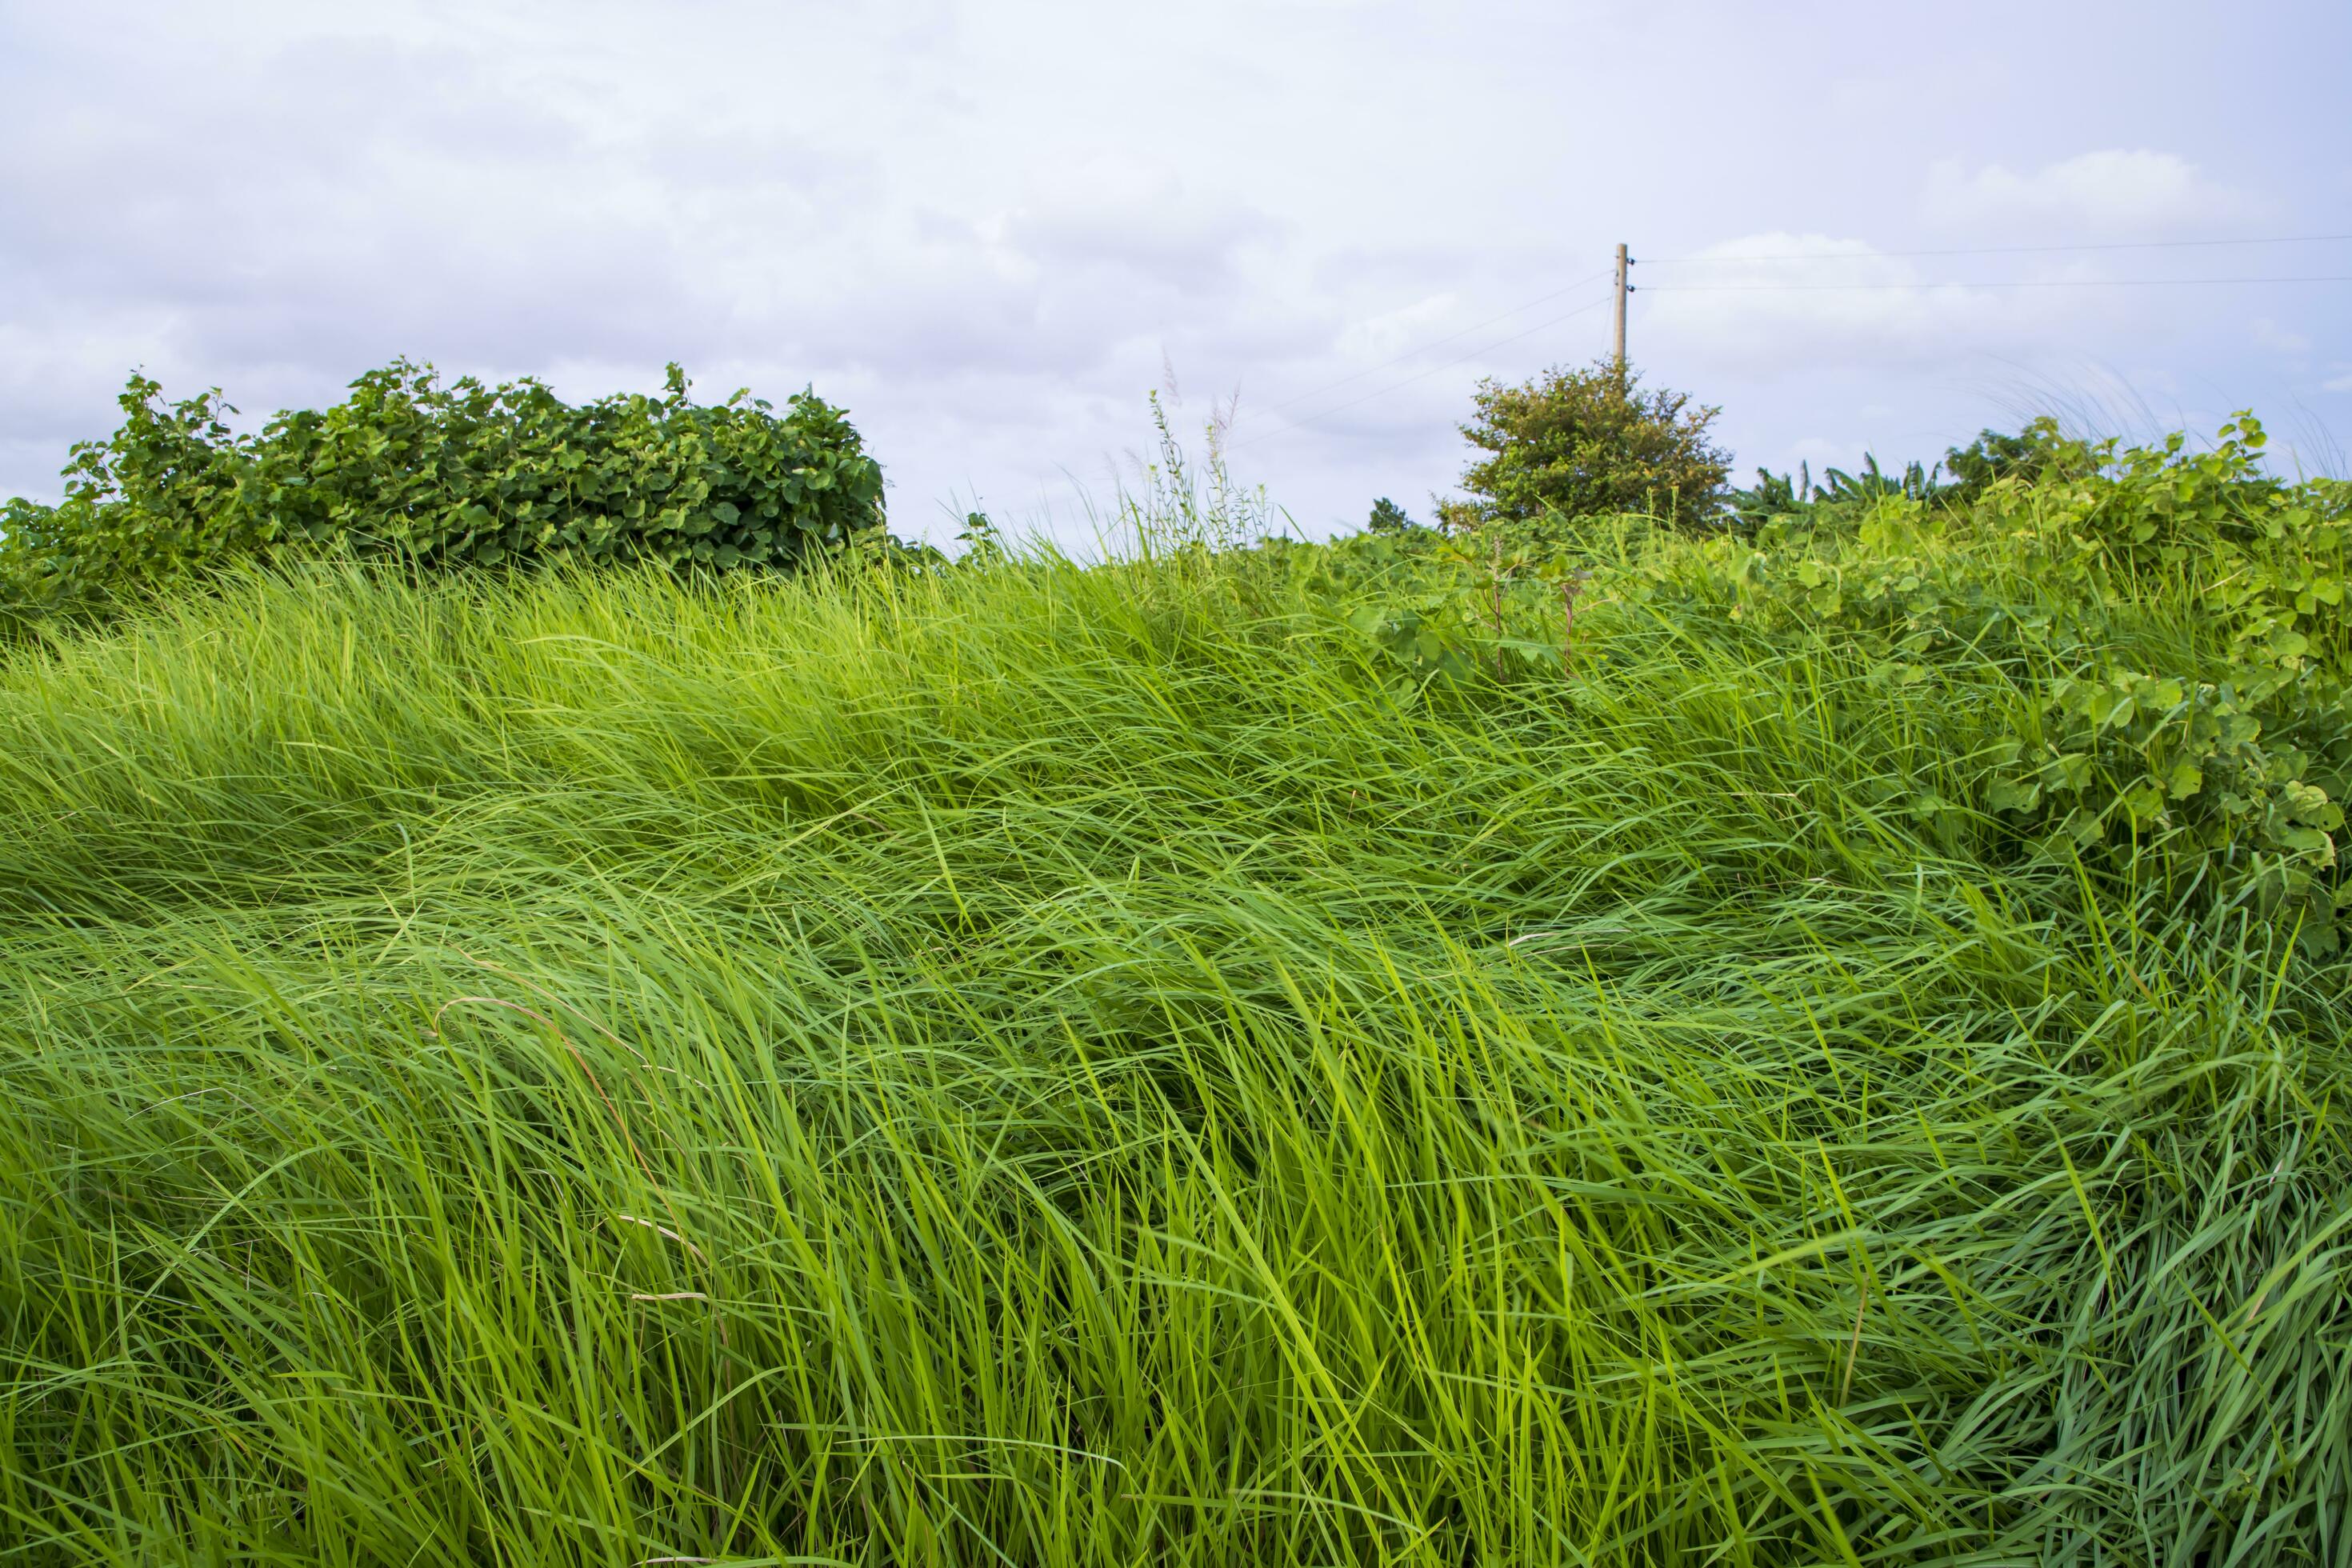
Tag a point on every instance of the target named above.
point(1995, 455)
point(1390, 518)
point(1589, 442)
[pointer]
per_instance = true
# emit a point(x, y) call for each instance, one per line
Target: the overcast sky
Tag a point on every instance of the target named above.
point(991, 229)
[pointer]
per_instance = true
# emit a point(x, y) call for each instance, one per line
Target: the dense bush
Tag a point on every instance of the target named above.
point(2156, 635)
point(1582, 443)
point(462, 474)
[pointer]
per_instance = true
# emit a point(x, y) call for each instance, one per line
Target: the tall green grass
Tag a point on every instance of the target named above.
point(1049, 1065)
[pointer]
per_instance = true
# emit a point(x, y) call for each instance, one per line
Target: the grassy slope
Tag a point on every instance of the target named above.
point(1049, 1068)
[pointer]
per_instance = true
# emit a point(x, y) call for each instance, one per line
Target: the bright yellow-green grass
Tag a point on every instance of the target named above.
point(1040, 1065)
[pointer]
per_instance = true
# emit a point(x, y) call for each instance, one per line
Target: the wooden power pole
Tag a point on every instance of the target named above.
point(1625, 262)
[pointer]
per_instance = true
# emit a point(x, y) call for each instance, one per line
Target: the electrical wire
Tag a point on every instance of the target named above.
point(1995, 249)
point(1437, 342)
point(1955, 283)
point(1424, 375)
point(1778, 288)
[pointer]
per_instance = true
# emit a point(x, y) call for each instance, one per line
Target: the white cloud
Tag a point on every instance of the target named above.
point(1390, 332)
point(2114, 194)
point(2337, 384)
point(1778, 302)
point(2271, 335)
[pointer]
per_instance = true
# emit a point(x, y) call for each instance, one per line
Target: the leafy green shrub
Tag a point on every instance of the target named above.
point(2236, 759)
point(1573, 443)
point(2154, 637)
point(1996, 455)
point(463, 474)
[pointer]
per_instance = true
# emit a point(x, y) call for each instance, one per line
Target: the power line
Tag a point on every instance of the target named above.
point(1996, 249)
point(1780, 287)
point(1956, 283)
point(1424, 375)
point(1436, 344)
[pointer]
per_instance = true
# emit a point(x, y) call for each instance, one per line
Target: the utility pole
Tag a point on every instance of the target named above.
point(1624, 264)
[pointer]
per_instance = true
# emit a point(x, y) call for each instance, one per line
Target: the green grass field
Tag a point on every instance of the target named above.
point(1055, 1066)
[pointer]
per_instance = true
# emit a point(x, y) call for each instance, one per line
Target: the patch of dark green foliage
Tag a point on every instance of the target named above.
point(461, 474)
